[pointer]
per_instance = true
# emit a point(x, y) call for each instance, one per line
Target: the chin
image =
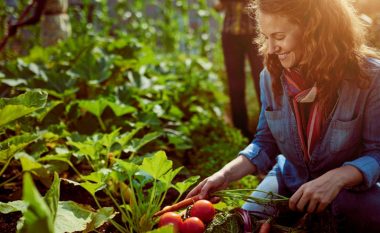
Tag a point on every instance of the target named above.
point(290, 61)
point(287, 64)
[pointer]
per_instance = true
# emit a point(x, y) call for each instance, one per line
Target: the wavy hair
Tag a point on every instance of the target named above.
point(334, 43)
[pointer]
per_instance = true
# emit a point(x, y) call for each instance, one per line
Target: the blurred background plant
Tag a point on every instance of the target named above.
point(129, 79)
point(133, 78)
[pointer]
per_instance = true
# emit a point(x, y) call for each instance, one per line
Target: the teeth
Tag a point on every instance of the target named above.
point(282, 56)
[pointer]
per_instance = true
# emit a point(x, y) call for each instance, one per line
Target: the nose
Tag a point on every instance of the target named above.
point(272, 47)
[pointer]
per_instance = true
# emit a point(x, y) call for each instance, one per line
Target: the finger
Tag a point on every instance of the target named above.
point(196, 190)
point(302, 202)
point(295, 198)
point(313, 203)
point(322, 206)
point(205, 190)
point(214, 200)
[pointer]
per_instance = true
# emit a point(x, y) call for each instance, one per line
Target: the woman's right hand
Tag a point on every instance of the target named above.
point(213, 183)
point(234, 170)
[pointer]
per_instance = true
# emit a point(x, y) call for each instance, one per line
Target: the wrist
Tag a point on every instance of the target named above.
point(226, 174)
point(347, 176)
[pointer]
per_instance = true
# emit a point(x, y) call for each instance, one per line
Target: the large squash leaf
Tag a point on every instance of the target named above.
point(24, 104)
point(14, 144)
point(72, 217)
point(157, 165)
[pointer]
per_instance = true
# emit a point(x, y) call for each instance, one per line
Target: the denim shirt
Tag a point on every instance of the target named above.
point(352, 136)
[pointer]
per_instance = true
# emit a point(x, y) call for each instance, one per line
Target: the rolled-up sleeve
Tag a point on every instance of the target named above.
point(263, 149)
point(369, 161)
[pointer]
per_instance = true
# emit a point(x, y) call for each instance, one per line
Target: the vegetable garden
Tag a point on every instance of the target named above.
point(103, 129)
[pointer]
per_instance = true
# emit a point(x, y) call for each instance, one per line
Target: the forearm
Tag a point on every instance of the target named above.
point(237, 168)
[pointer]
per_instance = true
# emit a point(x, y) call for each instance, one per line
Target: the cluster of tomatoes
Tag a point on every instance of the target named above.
point(201, 213)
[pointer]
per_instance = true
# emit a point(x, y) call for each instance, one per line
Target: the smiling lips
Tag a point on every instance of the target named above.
point(283, 56)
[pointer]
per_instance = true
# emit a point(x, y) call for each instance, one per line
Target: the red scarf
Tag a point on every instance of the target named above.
point(307, 111)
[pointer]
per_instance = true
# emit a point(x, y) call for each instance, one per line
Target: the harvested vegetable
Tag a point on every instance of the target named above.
point(265, 227)
point(192, 225)
point(204, 210)
point(171, 218)
point(177, 206)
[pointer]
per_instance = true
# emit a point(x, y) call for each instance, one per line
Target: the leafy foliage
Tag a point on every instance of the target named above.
point(95, 108)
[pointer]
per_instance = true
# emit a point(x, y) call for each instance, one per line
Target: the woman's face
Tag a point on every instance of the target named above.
point(283, 38)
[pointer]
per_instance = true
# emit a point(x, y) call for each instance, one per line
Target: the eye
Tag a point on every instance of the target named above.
point(279, 37)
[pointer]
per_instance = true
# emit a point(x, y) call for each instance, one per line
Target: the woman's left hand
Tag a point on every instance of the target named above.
point(316, 195)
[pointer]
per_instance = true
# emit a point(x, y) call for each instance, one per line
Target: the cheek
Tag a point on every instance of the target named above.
point(291, 45)
point(296, 50)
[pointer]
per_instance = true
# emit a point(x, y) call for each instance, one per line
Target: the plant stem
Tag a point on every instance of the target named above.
point(115, 202)
point(5, 166)
point(119, 227)
point(238, 192)
point(101, 124)
point(9, 180)
point(96, 201)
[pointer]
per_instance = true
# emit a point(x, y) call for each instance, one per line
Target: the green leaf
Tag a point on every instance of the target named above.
point(157, 165)
point(13, 206)
point(29, 164)
point(49, 106)
point(52, 196)
point(95, 107)
point(125, 138)
point(14, 144)
point(98, 176)
point(38, 217)
point(13, 82)
point(36, 99)
point(167, 178)
point(58, 157)
point(125, 167)
point(72, 217)
point(181, 142)
point(136, 143)
point(109, 139)
point(85, 148)
point(92, 188)
point(165, 229)
point(99, 218)
point(120, 109)
point(57, 163)
point(181, 187)
point(24, 104)
point(12, 112)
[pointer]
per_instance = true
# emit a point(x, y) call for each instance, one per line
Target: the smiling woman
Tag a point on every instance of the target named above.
point(318, 133)
point(283, 38)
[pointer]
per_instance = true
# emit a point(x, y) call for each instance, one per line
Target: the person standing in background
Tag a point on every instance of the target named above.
point(237, 40)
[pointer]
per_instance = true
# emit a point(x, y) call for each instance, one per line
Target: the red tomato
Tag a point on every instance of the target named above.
point(192, 225)
point(171, 218)
point(204, 210)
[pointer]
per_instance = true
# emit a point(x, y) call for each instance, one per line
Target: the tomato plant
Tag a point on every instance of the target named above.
point(204, 210)
point(192, 225)
point(173, 219)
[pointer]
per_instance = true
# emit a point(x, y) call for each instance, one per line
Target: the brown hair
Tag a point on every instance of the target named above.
point(334, 39)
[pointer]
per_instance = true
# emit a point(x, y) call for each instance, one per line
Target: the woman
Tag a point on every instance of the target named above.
point(320, 94)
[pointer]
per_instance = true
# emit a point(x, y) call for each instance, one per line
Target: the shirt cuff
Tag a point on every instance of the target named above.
point(258, 157)
point(370, 169)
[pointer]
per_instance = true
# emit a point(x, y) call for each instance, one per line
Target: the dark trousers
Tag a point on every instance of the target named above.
point(236, 48)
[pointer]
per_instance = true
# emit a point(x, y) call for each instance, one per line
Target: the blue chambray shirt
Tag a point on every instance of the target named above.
point(352, 136)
